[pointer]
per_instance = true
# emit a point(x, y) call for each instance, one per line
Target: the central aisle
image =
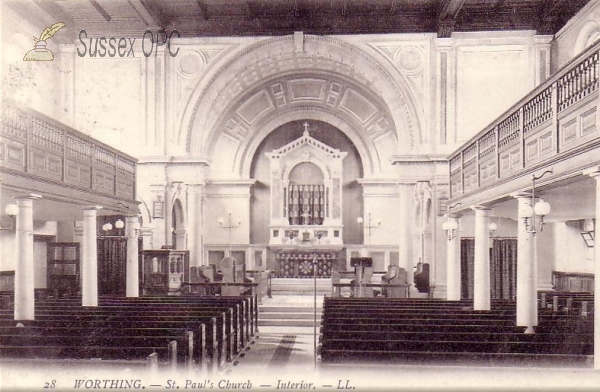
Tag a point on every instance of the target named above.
point(286, 337)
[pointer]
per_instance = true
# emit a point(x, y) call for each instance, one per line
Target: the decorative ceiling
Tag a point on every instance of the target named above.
point(319, 17)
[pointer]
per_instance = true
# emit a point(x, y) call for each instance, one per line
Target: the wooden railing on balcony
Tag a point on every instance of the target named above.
point(40, 147)
point(557, 117)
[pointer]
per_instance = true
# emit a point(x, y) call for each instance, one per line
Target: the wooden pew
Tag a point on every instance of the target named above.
point(227, 332)
point(360, 330)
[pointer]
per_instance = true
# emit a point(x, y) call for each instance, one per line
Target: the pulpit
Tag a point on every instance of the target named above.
point(163, 271)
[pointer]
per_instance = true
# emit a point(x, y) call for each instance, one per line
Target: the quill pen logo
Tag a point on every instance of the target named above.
point(40, 52)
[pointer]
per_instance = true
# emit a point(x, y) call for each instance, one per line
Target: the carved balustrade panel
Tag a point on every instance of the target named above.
point(40, 146)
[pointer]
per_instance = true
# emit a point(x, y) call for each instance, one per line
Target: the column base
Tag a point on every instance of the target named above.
point(529, 331)
point(439, 292)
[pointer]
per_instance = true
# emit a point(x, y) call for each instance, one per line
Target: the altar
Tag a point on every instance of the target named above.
point(297, 262)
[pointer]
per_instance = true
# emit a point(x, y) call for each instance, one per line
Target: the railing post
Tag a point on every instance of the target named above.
point(189, 356)
point(462, 172)
point(522, 134)
point(204, 361)
point(477, 159)
point(555, 125)
point(152, 363)
point(173, 355)
point(65, 136)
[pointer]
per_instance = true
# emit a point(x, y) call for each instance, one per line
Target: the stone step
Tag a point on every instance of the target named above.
point(289, 316)
point(262, 309)
point(271, 330)
point(288, 323)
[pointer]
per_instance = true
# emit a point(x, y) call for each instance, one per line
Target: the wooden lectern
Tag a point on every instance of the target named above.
point(363, 269)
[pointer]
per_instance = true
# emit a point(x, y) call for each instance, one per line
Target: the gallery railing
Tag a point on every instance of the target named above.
point(40, 147)
point(556, 118)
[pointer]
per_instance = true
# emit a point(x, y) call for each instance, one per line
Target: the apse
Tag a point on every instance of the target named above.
point(306, 173)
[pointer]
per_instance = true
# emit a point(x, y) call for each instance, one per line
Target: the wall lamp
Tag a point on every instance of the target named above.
point(119, 224)
point(534, 214)
point(11, 210)
point(370, 226)
point(229, 226)
point(450, 225)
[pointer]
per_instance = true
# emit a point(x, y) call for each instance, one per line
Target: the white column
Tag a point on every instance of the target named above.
point(453, 270)
point(147, 234)
point(24, 280)
point(180, 237)
point(132, 268)
point(526, 279)
point(405, 248)
point(195, 223)
point(89, 259)
point(1, 212)
point(596, 176)
point(481, 289)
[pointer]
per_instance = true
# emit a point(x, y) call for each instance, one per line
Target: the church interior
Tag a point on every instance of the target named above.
point(222, 187)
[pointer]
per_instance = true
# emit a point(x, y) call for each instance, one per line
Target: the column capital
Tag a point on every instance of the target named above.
point(196, 186)
point(453, 215)
point(593, 172)
point(28, 196)
point(92, 208)
point(521, 195)
point(132, 226)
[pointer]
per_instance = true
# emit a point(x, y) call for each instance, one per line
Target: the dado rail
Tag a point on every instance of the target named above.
point(556, 121)
point(34, 146)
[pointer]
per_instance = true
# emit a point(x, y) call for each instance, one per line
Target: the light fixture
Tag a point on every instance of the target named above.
point(7, 221)
point(492, 227)
point(229, 226)
point(534, 214)
point(369, 226)
point(119, 224)
point(11, 209)
point(450, 226)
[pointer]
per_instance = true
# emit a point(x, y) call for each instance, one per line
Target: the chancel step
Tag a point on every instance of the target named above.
point(295, 286)
point(281, 319)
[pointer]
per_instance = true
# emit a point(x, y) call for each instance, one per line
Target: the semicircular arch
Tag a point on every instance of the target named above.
point(278, 56)
point(364, 147)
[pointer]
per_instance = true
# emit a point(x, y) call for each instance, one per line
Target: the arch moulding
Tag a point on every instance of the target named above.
point(341, 79)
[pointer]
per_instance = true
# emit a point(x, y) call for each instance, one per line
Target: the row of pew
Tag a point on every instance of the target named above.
point(440, 332)
point(566, 302)
point(200, 334)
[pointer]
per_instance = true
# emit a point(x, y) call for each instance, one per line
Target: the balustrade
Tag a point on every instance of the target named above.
point(33, 143)
point(556, 117)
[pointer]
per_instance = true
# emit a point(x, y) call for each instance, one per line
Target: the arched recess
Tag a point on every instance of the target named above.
point(253, 67)
point(260, 171)
point(590, 33)
point(178, 222)
point(365, 147)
